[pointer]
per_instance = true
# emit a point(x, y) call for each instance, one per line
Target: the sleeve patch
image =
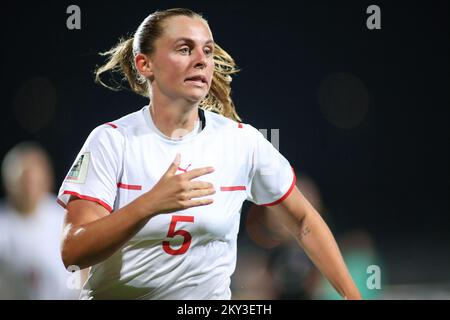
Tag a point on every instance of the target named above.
point(79, 170)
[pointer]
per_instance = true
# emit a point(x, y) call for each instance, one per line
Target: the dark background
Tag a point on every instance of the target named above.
point(362, 112)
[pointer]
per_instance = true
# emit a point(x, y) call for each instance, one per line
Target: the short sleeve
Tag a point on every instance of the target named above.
point(272, 177)
point(96, 170)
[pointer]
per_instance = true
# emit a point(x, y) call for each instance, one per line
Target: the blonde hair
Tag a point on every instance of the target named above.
point(121, 61)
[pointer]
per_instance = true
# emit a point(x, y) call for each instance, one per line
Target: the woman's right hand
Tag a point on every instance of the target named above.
point(174, 192)
point(92, 234)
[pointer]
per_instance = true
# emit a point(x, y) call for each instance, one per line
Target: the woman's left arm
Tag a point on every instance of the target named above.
point(314, 236)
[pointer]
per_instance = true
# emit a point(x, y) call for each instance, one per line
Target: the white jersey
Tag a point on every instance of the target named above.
point(189, 254)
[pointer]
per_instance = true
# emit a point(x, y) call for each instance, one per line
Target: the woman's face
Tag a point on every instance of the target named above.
point(182, 62)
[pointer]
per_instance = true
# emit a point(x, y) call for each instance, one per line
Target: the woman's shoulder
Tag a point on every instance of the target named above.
point(122, 125)
point(116, 131)
point(129, 121)
point(220, 122)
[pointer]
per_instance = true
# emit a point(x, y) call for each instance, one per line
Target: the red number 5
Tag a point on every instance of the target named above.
point(172, 233)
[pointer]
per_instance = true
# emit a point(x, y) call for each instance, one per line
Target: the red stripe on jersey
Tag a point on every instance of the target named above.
point(286, 194)
point(233, 188)
point(129, 186)
point(81, 196)
point(111, 124)
point(62, 204)
point(240, 125)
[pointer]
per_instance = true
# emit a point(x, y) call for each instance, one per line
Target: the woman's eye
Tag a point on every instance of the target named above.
point(184, 50)
point(208, 51)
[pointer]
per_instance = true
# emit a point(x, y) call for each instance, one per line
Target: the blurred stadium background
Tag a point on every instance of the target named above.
point(362, 116)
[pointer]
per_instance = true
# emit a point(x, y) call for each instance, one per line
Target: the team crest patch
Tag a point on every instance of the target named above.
point(79, 170)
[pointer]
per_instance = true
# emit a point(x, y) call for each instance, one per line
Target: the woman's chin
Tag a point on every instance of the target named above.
point(197, 98)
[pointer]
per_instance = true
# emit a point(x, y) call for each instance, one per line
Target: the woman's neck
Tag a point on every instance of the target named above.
point(174, 120)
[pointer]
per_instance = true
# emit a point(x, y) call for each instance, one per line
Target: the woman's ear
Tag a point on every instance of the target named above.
point(144, 65)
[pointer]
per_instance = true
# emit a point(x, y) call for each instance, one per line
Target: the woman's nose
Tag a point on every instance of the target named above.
point(200, 59)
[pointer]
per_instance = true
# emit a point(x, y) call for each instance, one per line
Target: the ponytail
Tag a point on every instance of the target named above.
point(121, 61)
point(219, 97)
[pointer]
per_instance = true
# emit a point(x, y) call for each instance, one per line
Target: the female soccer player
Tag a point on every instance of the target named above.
point(154, 198)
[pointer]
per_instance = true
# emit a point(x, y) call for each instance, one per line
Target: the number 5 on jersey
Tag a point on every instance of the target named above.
point(172, 233)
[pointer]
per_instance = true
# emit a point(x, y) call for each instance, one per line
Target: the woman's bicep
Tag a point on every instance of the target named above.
point(292, 211)
point(81, 212)
point(293, 206)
